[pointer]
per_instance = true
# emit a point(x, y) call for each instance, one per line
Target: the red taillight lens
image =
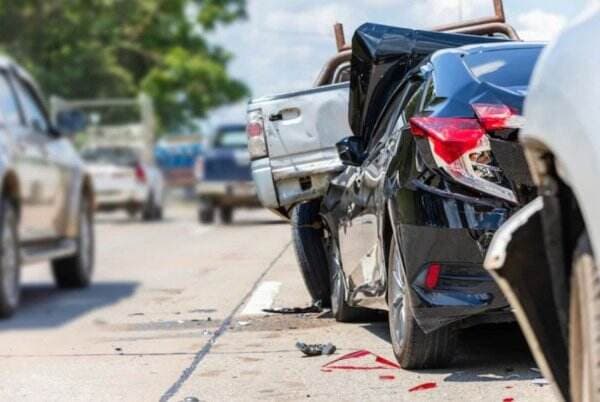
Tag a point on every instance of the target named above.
point(432, 277)
point(494, 116)
point(254, 129)
point(450, 137)
point(140, 174)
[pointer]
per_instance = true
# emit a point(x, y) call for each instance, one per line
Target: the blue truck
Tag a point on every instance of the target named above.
point(224, 176)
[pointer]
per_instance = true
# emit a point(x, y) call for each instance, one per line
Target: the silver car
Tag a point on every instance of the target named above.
point(46, 201)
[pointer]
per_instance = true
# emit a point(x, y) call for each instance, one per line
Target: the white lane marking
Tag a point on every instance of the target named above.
point(262, 297)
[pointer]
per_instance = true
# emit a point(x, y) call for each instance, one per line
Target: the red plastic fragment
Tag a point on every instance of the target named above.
point(378, 363)
point(508, 400)
point(423, 387)
point(387, 377)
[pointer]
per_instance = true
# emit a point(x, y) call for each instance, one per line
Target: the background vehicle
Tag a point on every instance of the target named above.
point(224, 178)
point(118, 145)
point(543, 258)
point(176, 156)
point(47, 201)
point(123, 180)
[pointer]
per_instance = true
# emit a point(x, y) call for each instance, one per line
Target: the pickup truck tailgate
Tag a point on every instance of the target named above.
point(301, 130)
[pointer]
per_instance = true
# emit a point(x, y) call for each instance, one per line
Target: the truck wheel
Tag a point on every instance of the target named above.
point(10, 262)
point(76, 271)
point(206, 213)
point(226, 215)
point(413, 348)
point(310, 251)
point(584, 326)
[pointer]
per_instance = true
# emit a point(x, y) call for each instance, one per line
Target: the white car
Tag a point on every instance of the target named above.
point(543, 257)
point(123, 180)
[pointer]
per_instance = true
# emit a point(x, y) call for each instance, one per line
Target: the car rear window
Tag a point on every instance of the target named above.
point(504, 67)
point(232, 139)
point(120, 156)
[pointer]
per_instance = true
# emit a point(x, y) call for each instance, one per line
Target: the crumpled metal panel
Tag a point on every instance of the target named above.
point(381, 58)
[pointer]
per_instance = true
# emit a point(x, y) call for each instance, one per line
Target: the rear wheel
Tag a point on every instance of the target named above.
point(584, 326)
point(413, 348)
point(226, 215)
point(151, 210)
point(10, 263)
point(76, 271)
point(309, 243)
point(206, 213)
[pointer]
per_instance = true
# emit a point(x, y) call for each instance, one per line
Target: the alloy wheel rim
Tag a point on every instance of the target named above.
point(9, 258)
point(397, 302)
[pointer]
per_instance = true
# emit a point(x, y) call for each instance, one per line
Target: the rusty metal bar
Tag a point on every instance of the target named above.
point(489, 28)
point(340, 38)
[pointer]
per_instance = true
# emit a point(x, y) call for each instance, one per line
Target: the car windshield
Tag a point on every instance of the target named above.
point(504, 67)
point(120, 156)
point(232, 138)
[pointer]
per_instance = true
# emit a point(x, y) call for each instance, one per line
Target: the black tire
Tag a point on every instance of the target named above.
point(151, 211)
point(10, 261)
point(76, 271)
point(226, 215)
point(413, 348)
point(584, 325)
point(308, 236)
point(206, 213)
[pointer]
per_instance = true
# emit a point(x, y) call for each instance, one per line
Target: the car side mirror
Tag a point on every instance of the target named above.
point(70, 122)
point(351, 151)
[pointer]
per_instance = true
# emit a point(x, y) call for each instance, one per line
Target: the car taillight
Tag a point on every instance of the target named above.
point(255, 129)
point(461, 147)
point(432, 276)
point(199, 168)
point(140, 174)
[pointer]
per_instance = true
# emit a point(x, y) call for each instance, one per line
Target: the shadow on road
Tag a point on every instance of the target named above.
point(45, 306)
point(484, 353)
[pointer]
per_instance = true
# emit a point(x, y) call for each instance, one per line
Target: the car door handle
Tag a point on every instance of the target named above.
point(276, 117)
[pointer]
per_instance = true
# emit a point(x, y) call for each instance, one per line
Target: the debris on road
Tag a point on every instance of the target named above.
point(540, 382)
point(423, 387)
point(377, 362)
point(387, 377)
point(314, 308)
point(243, 323)
point(508, 400)
point(317, 349)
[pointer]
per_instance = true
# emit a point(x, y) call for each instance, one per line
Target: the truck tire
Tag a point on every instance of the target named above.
point(206, 213)
point(309, 244)
point(584, 325)
point(413, 348)
point(76, 271)
point(10, 261)
point(226, 215)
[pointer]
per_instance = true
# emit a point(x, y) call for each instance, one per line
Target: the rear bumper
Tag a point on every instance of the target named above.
point(465, 288)
point(114, 199)
point(263, 179)
point(228, 193)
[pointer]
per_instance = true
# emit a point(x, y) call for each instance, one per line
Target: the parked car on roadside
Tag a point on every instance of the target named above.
point(422, 189)
point(224, 177)
point(46, 198)
point(123, 180)
point(544, 257)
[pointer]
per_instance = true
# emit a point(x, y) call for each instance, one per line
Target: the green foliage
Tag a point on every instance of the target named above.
point(101, 48)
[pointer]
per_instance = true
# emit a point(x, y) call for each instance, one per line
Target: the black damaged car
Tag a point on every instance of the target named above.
point(407, 223)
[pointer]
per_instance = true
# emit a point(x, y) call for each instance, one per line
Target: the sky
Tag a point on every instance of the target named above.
point(283, 44)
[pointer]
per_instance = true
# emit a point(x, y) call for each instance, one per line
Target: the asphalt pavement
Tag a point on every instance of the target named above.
point(175, 312)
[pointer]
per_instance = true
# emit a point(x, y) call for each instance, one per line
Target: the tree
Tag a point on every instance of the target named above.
point(108, 48)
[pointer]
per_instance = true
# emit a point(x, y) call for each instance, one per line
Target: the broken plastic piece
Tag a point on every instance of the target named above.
point(540, 381)
point(316, 350)
point(387, 377)
point(508, 399)
point(423, 387)
point(315, 308)
point(378, 363)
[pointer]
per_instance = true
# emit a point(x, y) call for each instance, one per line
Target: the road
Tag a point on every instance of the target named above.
point(173, 315)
